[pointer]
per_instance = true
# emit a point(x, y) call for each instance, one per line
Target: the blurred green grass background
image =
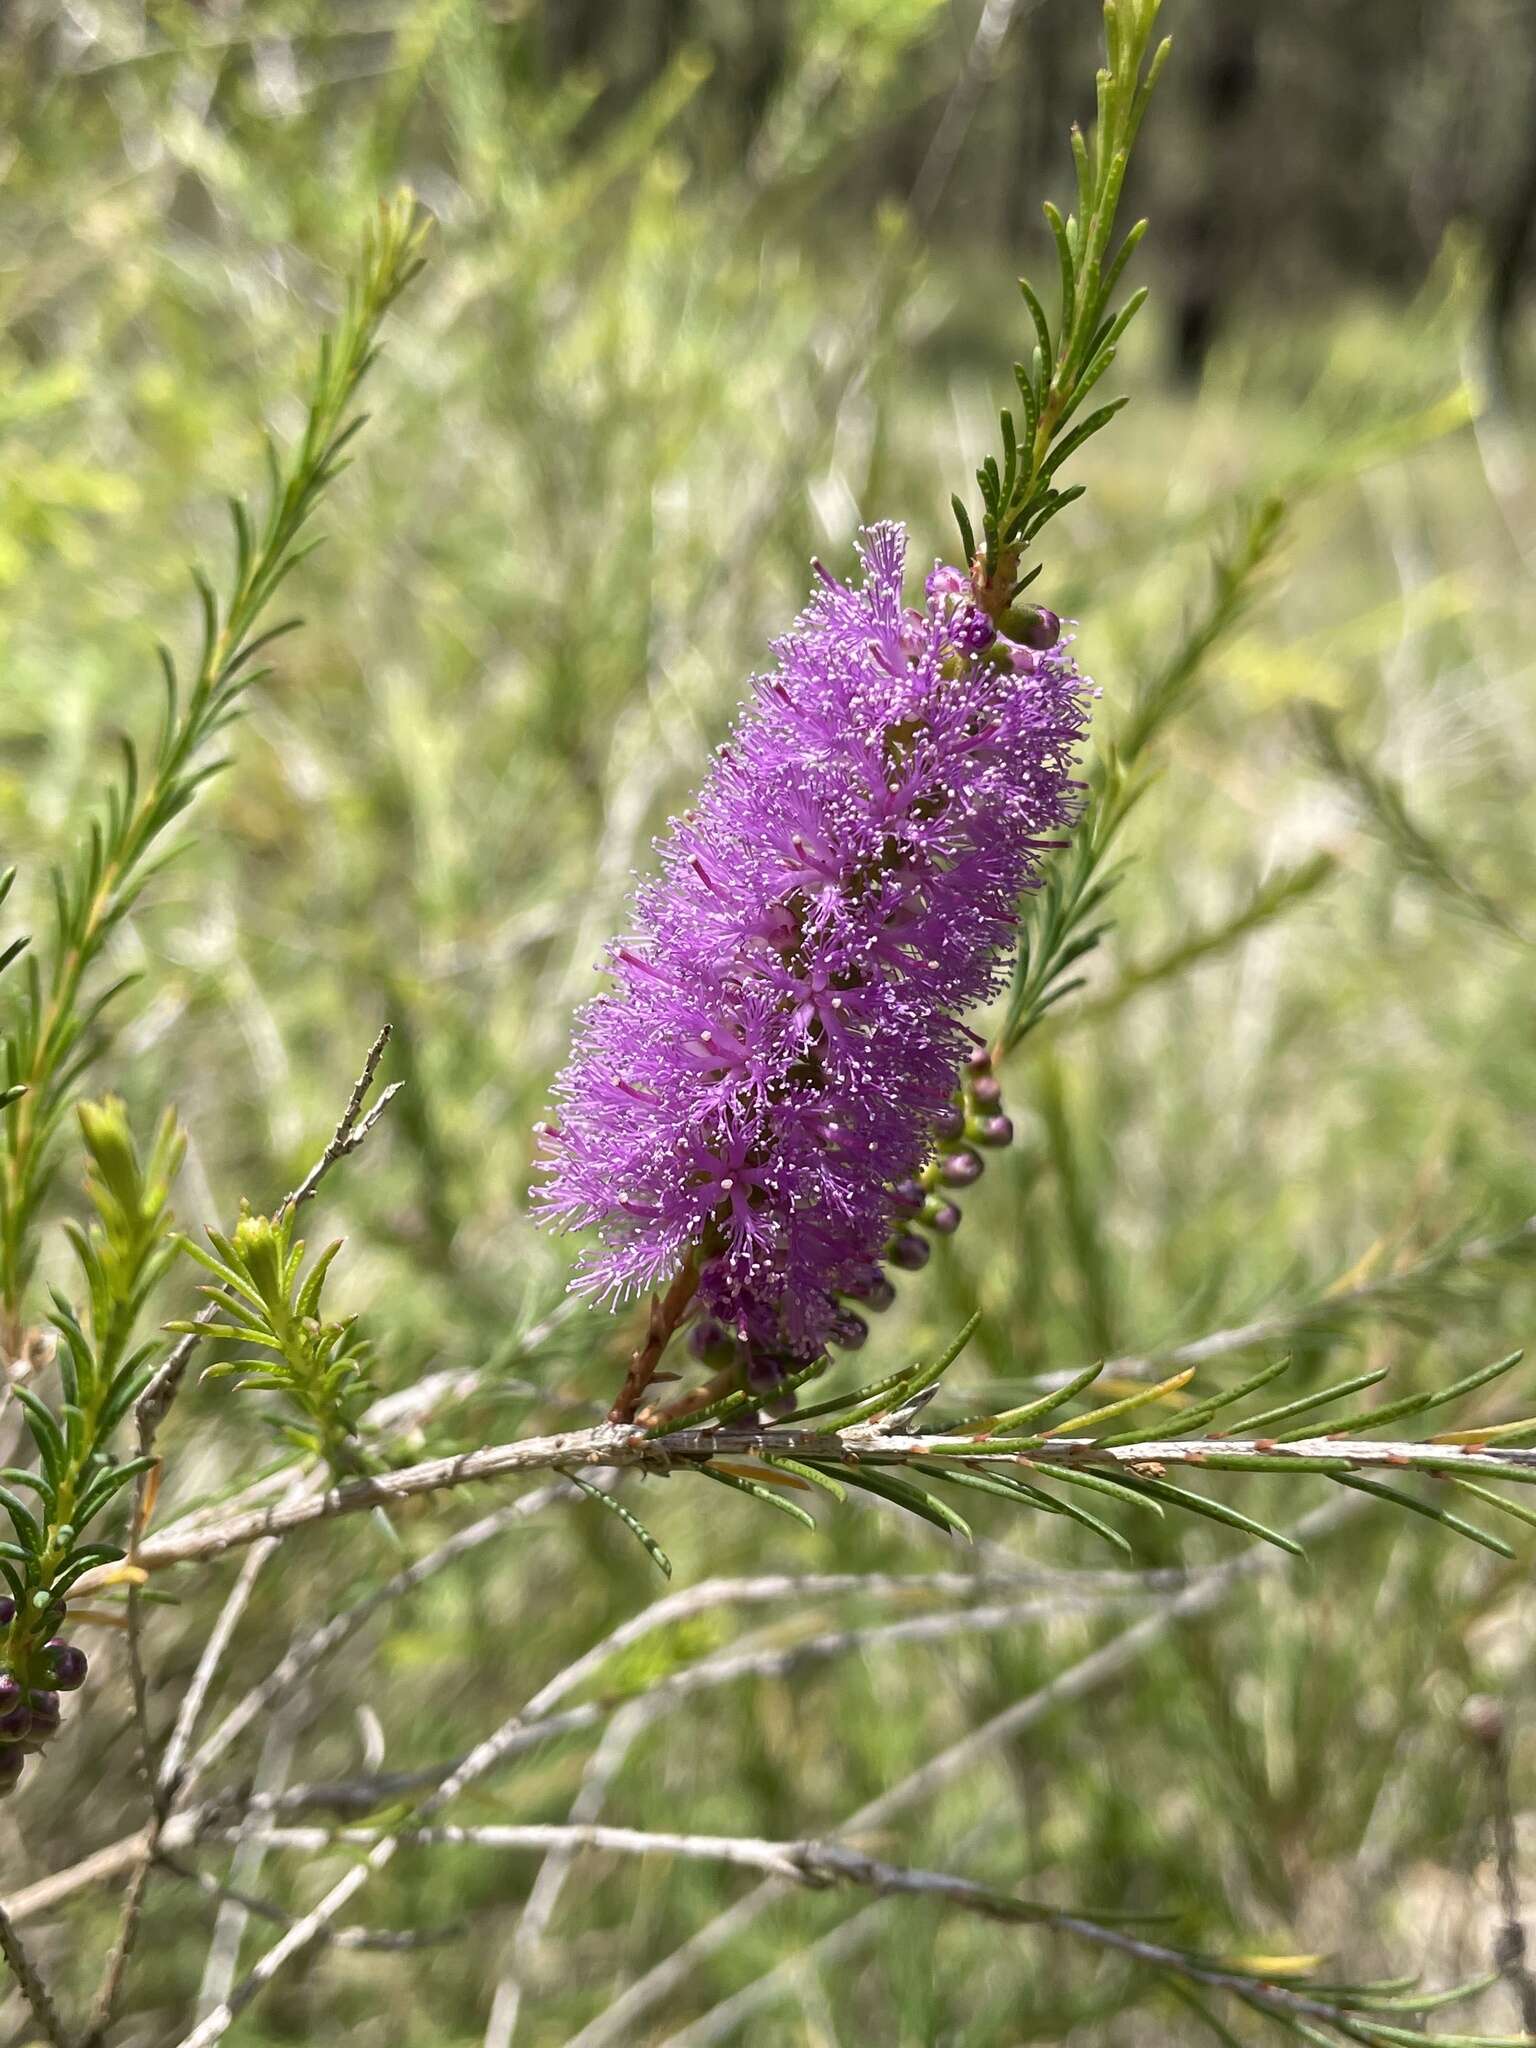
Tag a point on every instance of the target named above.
point(685, 326)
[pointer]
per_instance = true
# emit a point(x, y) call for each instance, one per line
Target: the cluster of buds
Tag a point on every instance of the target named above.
point(972, 1124)
point(31, 1680)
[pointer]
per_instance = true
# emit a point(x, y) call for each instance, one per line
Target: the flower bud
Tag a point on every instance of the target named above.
point(1033, 625)
point(993, 1130)
point(943, 1217)
point(973, 632)
point(909, 1252)
point(873, 1291)
point(7, 1611)
point(849, 1332)
point(950, 1121)
point(987, 1090)
point(68, 1663)
point(10, 1691)
point(960, 1169)
point(944, 581)
point(15, 1723)
point(908, 1196)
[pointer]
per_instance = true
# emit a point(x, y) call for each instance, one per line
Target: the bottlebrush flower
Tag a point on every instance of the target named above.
point(784, 1030)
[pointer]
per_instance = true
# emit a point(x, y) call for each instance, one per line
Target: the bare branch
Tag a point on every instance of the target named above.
point(618, 1446)
point(349, 1132)
point(1483, 1719)
point(1075, 1682)
point(39, 2003)
point(817, 1865)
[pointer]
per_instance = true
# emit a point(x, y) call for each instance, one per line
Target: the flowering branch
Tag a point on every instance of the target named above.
point(851, 1454)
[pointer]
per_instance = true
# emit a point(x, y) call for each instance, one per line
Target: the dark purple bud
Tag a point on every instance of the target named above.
point(12, 1764)
point(45, 1710)
point(68, 1663)
point(1035, 625)
point(909, 1196)
point(980, 1061)
point(910, 1252)
point(960, 1169)
point(879, 1295)
point(950, 1121)
point(943, 1217)
point(10, 1691)
point(994, 1130)
point(987, 1090)
point(849, 1332)
point(7, 1611)
point(972, 630)
point(15, 1723)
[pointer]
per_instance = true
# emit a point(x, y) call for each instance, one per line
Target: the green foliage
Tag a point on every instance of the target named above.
point(55, 1037)
point(263, 1297)
point(122, 1253)
point(1021, 495)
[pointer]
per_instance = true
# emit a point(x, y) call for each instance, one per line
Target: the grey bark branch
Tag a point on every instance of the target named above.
point(617, 1446)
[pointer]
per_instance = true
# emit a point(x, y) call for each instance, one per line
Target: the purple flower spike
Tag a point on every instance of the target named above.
point(762, 1081)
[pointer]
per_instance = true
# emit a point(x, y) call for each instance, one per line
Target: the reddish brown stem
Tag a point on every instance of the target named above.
point(665, 1315)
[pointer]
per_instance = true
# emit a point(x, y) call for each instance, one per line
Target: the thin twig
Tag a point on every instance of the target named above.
point(32, 1988)
point(389, 1941)
point(666, 1313)
point(617, 2023)
point(1483, 1719)
point(818, 1865)
point(309, 1650)
point(349, 1132)
point(617, 1446)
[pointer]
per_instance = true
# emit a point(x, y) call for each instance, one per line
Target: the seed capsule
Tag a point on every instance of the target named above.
point(987, 1091)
